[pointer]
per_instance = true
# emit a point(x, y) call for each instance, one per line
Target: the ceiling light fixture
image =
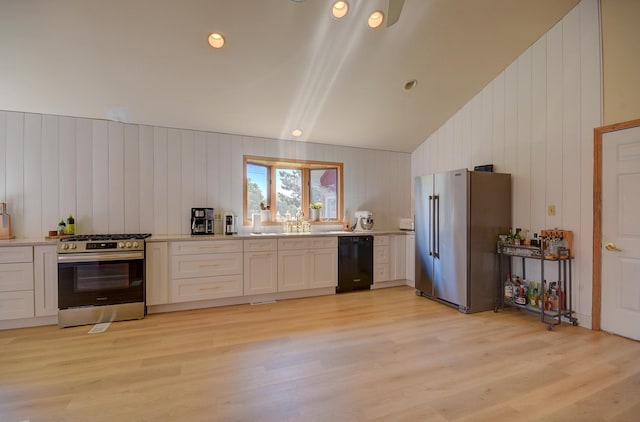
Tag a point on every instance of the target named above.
point(340, 9)
point(216, 40)
point(297, 133)
point(410, 84)
point(375, 19)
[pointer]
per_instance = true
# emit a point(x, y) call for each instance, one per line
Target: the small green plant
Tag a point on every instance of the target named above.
point(316, 205)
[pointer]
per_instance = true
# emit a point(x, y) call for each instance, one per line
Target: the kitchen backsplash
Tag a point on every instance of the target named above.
point(116, 177)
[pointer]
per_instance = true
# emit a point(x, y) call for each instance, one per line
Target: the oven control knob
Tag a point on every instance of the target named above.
point(72, 246)
point(136, 244)
point(128, 244)
point(121, 244)
point(65, 246)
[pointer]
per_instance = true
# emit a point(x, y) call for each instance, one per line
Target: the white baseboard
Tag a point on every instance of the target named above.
point(240, 300)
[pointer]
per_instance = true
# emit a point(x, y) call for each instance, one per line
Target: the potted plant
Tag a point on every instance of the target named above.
point(314, 214)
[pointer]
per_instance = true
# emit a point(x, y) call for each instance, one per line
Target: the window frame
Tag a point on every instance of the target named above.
point(305, 165)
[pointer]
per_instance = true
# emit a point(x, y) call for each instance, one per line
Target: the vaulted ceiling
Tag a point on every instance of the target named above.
point(286, 64)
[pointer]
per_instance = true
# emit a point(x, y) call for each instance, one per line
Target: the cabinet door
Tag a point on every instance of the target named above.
point(380, 259)
point(410, 265)
point(157, 273)
point(293, 270)
point(45, 272)
point(260, 272)
point(15, 305)
point(397, 265)
point(323, 268)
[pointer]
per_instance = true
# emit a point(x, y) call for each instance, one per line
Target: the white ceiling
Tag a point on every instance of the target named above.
point(286, 64)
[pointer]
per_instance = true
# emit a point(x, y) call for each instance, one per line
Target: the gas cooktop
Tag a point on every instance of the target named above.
point(104, 237)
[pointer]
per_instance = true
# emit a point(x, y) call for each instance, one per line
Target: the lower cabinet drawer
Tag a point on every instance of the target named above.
point(15, 305)
point(380, 254)
point(208, 265)
point(15, 277)
point(380, 273)
point(190, 289)
point(12, 254)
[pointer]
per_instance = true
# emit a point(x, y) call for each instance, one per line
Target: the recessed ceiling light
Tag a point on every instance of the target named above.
point(296, 132)
point(375, 19)
point(410, 84)
point(340, 9)
point(216, 40)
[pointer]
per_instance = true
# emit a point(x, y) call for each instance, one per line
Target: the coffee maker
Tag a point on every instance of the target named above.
point(201, 221)
point(230, 223)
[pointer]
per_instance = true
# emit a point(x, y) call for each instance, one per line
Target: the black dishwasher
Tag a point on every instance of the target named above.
point(355, 263)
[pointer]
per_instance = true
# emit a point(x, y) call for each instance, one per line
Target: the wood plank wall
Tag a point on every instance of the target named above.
point(535, 120)
point(116, 177)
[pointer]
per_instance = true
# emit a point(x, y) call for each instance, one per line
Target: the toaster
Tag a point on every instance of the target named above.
point(406, 224)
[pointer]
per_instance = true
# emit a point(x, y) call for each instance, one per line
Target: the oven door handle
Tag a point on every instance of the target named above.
point(94, 257)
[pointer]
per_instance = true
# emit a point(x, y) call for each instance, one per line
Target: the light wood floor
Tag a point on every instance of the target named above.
point(373, 355)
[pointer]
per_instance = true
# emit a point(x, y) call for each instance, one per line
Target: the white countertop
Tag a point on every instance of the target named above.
point(27, 242)
point(176, 237)
point(246, 236)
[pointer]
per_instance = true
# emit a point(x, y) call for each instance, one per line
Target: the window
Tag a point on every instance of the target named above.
point(287, 188)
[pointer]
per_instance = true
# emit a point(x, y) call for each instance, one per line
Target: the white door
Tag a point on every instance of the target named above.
point(621, 232)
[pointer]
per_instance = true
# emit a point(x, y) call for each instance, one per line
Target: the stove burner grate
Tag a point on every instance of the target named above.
point(104, 237)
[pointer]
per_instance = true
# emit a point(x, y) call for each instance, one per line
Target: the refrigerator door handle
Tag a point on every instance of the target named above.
point(430, 225)
point(436, 224)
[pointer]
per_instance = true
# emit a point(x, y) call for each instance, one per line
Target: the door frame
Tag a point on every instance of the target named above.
point(596, 293)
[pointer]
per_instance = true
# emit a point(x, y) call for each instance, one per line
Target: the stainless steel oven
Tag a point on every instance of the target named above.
point(100, 278)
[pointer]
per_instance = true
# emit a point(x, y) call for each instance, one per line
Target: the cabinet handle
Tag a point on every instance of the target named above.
point(261, 254)
point(210, 247)
point(209, 265)
point(202, 289)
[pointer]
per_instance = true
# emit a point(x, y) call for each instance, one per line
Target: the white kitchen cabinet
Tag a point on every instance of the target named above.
point(157, 273)
point(389, 258)
point(206, 265)
point(410, 260)
point(45, 280)
point(323, 262)
point(307, 263)
point(203, 288)
point(381, 266)
point(13, 254)
point(293, 270)
point(16, 282)
point(397, 257)
point(198, 247)
point(202, 270)
point(260, 266)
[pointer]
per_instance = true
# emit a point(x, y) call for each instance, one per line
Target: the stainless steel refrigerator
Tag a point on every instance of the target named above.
point(458, 217)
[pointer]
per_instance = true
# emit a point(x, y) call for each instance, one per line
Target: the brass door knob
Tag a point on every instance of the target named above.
point(612, 247)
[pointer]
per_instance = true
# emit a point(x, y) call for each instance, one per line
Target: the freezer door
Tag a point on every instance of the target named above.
point(490, 216)
point(424, 201)
point(451, 234)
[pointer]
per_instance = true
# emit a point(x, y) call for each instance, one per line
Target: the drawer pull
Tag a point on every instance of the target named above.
point(261, 254)
point(209, 265)
point(202, 289)
point(210, 247)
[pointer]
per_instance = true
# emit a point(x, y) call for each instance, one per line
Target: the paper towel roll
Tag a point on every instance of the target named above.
point(256, 222)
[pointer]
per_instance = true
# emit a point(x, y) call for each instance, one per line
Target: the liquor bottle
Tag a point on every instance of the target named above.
point(71, 225)
point(508, 289)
